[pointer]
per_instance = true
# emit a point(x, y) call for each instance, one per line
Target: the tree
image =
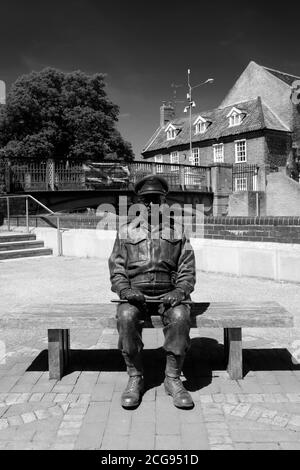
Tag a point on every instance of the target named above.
point(52, 114)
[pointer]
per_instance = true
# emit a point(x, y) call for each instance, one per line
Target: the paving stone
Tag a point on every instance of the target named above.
point(86, 382)
point(15, 421)
point(290, 445)
point(295, 421)
point(70, 378)
point(265, 446)
point(293, 397)
point(28, 417)
point(267, 416)
point(167, 442)
point(281, 420)
point(72, 397)
point(90, 436)
point(70, 424)
point(241, 435)
point(141, 441)
point(49, 397)
point(8, 382)
point(68, 432)
point(62, 389)
point(194, 436)
point(3, 423)
point(113, 442)
point(60, 397)
point(97, 412)
point(12, 398)
point(231, 398)
point(42, 414)
point(165, 427)
point(36, 397)
point(63, 446)
point(254, 413)
point(217, 440)
point(241, 410)
point(222, 447)
point(102, 392)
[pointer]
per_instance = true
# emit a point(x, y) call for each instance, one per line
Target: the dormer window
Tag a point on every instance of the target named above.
point(201, 125)
point(171, 132)
point(235, 117)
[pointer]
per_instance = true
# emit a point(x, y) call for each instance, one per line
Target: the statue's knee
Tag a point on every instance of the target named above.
point(127, 314)
point(180, 314)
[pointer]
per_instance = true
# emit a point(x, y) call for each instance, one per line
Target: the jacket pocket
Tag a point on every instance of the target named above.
point(170, 249)
point(137, 250)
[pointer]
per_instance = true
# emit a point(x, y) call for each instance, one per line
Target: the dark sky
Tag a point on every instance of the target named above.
point(144, 47)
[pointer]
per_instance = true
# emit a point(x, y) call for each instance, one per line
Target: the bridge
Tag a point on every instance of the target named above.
point(75, 186)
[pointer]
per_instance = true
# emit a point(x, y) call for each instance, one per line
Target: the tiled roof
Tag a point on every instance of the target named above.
point(285, 77)
point(258, 116)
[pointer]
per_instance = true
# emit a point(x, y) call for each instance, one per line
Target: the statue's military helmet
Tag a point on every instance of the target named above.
point(152, 184)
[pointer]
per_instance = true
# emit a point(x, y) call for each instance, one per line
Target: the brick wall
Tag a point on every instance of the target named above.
point(257, 151)
point(256, 229)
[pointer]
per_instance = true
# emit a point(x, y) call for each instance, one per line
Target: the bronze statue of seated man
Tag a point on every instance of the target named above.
point(146, 263)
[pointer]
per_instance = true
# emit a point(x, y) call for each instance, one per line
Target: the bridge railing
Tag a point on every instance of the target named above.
point(22, 176)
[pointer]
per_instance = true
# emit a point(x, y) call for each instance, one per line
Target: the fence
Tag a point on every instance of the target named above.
point(22, 176)
point(245, 177)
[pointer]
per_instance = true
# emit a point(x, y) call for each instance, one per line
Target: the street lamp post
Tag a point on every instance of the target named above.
point(192, 104)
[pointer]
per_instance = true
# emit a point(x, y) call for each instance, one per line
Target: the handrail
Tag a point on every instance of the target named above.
point(26, 196)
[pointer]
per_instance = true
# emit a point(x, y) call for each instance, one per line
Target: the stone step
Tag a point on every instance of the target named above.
point(20, 245)
point(25, 253)
point(15, 237)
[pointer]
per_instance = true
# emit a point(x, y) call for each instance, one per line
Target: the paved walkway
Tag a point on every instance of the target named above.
point(83, 410)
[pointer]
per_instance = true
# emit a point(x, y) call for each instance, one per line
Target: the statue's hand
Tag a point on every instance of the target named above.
point(173, 298)
point(134, 296)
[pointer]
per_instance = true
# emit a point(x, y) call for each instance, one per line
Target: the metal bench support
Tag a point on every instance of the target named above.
point(58, 352)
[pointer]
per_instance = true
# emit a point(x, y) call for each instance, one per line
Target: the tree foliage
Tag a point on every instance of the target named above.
point(52, 114)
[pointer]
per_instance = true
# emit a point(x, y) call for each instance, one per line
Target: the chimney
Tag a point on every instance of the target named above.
point(167, 113)
point(2, 92)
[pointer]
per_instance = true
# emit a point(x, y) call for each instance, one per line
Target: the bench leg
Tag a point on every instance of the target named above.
point(234, 351)
point(58, 352)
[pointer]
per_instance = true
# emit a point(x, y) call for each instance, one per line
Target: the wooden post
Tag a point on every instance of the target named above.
point(58, 352)
point(226, 346)
point(235, 353)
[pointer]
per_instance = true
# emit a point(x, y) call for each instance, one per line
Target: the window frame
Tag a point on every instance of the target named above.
point(243, 185)
point(215, 147)
point(172, 155)
point(236, 145)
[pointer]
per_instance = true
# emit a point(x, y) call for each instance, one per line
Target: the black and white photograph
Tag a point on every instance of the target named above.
point(149, 228)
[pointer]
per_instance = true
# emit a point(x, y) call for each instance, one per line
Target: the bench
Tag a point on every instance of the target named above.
point(232, 317)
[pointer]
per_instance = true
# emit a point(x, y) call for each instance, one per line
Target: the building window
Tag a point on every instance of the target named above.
point(158, 159)
point(240, 184)
point(201, 127)
point(235, 119)
point(171, 134)
point(240, 151)
point(218, 153)
point(174, 158)
point(195, 160)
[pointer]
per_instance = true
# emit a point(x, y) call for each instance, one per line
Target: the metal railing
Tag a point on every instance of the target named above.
point(245, 177)
point(22, 176)
point(28, 197)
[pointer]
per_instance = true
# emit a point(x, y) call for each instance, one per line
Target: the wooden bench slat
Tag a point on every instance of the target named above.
point(91, 315)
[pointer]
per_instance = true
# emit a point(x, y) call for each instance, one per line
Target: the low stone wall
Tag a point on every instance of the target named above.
point(276, 261)
point(257, 229)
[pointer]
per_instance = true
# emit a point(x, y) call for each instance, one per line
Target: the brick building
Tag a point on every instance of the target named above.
point(257, 123)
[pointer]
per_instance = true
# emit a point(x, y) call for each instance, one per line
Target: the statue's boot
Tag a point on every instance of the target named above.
point(133, 392)
point(173, 384)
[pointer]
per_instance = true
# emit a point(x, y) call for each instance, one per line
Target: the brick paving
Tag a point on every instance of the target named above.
point(82, 411)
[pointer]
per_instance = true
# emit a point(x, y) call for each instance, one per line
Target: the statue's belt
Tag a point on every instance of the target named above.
point(158, 277)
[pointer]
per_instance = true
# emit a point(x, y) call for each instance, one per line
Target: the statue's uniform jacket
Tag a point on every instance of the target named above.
point(152, 259)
